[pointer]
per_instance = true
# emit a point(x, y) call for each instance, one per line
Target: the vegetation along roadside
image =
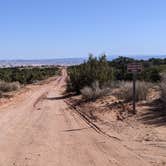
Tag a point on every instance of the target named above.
point(12, 78)
point(98, 77)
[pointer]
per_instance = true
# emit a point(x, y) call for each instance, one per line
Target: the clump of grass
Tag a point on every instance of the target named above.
point(126, 90)
point(94, 92)
point(7, 87)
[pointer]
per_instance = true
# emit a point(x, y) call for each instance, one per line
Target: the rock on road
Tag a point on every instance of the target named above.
point(42, 130)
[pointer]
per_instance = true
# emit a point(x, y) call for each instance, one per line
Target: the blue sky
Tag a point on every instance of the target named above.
point(34, 29)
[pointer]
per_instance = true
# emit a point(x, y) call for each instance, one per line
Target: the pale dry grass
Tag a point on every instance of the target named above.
point(7, 87)
point(94, 91)
point(126, 90)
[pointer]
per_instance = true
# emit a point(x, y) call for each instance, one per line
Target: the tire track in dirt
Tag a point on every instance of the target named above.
point(38, 132)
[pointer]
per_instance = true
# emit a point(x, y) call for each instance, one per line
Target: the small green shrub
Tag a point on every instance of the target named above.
point(85, 74)
point(151, 74)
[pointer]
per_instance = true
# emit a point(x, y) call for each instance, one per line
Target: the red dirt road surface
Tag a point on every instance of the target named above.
point(40, 129)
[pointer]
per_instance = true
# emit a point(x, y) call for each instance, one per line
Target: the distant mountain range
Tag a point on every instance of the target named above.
point(65, 61)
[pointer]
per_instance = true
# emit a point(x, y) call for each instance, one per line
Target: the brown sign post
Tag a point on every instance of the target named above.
point(134, 68)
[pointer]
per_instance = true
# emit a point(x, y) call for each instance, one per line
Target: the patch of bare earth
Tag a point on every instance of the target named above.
point(11, 98)
point(42, 130)
point(38, 128)
point(143, 133)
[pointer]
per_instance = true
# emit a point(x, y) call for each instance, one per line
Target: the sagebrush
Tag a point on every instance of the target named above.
point(94, 91)
point(126, 90)
point(7, 87)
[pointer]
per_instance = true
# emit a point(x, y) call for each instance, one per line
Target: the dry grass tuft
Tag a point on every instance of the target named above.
point(93, 92)
point(7, 87)
point(126, 90)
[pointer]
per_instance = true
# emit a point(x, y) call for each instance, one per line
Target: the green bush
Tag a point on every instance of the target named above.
point(26, 75)
point(151, 69)
point(151, 74)
point(90, 71)
point(116, 70)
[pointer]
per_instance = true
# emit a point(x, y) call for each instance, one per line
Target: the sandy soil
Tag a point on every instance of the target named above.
point(144, 133)
point(40, 129)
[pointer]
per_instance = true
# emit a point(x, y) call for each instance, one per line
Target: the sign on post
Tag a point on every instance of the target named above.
point(134, 68)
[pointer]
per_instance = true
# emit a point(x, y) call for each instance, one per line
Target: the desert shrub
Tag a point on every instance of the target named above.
point(151, 72)
point(120, 68)
point(14, 86)
point(126, 90)
point(115, 70)
point(163, 88)
point(85, 74)
point(94, 91)
point(113, 84)
point(87, 93)
point(7, 87)
point(26, 75)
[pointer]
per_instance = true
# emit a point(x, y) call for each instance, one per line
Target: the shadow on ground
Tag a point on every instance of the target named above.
point(156, 115)
point(61, 97)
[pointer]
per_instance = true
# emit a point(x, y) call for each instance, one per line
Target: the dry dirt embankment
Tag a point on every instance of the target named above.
point(40, 129)
point(143, 133)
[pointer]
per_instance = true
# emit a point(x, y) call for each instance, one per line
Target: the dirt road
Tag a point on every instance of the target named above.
point(41, 130)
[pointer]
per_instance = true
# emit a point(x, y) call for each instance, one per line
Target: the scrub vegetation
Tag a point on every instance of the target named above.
point(11, 79)
point(94, 91)
point(126, 90)
point(95, 76)
point(163, 89)
point(26, 75)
